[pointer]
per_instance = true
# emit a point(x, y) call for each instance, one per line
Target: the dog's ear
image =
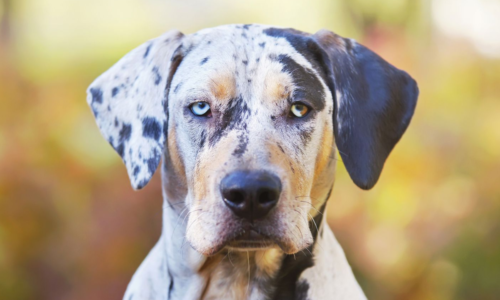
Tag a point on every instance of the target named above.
point(129, 104)
point(374, 102)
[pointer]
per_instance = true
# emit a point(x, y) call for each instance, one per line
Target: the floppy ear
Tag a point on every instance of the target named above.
point(374, 102)
point(129, 103)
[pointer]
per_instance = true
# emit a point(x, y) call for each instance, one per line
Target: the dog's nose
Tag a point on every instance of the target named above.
point(251, 194)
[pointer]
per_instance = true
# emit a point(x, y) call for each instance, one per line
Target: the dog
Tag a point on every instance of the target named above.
point(254, 117)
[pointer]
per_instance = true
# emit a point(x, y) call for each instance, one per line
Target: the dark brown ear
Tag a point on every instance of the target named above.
point(374, 103)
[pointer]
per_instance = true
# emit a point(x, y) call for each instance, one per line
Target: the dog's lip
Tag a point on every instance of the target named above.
point(251, 235)
point(251, 239)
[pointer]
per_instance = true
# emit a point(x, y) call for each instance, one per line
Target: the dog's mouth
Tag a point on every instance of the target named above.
point(251, 240)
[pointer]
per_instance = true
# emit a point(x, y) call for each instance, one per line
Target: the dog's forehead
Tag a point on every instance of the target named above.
point(240, 59)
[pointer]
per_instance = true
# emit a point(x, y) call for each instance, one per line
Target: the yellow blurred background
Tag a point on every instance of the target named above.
point(72, 228)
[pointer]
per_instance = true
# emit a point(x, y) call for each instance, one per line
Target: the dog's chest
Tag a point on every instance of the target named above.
point(242, 275)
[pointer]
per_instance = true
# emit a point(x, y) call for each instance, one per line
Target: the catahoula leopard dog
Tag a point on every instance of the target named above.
point(247, 120)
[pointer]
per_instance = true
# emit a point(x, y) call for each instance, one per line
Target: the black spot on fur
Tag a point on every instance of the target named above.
point(120, 149)
point(157, 74)
point(262, 45)
point(245, 62)
point(153, 161)
point(281, 148)
point(203, 61)
point(242, 145)
point(304, 43)
point(170, 287)
point(287, 283)
point(177, 87)
point(244, 35)
point(96, 95)
point(137, 169)
point(125, 133)
point(151, 128)
point(301, 290)
point(203, 138)
point(146, 53)
point(142, 184)
point(273, 118)
point(115, 91)
point(306, 85)
point(152, 165)
point(232, 118)
point(305, 134)
point(247, 26)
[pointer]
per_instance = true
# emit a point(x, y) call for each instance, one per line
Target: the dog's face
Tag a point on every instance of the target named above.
point(254, 109)
point(250, 113)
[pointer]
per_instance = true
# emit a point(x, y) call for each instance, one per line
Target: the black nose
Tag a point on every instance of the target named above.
point(250, 194)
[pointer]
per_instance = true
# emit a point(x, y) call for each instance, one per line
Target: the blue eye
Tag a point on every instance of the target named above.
point(200, 108)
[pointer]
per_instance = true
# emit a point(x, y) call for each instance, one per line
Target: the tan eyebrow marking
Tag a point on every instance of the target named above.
point(223, 86)
point(277, 86)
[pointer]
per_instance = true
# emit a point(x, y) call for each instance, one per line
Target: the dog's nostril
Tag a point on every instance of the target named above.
point(235, 196)
point(267, 196)
point(250, 195)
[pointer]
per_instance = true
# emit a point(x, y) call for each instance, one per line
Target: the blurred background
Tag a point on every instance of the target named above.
point(71, 226)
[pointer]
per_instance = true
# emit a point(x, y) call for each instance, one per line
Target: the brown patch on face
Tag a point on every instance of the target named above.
point(325, 152)
point(277, 86)
point(174, 164)
point(210, 161)
point(323, 164)
point(295, 173)
point(223, 86)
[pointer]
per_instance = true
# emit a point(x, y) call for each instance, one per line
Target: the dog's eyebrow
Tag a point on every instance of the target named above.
point(223, 86)
point(307, 85)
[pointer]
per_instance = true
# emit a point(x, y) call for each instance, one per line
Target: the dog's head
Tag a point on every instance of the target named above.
point(254, 116)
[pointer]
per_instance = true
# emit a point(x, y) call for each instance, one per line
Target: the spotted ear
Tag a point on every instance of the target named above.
point(129, 104)
point(374, 103)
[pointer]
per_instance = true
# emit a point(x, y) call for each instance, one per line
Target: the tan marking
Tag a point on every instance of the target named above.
point(173, 151)
point(210, 161)
point(294, 171)
point(324, 169)
point(277, 86)
point(223, 86)
point(268, 262)
point(229, 278)
point(325, 152)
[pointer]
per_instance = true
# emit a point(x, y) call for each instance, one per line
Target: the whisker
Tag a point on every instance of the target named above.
point(317, 229)
point(229, 256)
point(248, 259)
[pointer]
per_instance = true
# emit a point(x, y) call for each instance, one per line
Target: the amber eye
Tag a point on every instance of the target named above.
point(299, 110)
point(200, 108)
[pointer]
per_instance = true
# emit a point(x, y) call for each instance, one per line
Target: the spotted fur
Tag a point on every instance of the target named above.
point(250, 75)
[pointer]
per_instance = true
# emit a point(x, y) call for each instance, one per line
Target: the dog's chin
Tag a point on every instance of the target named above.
point(251, 240)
